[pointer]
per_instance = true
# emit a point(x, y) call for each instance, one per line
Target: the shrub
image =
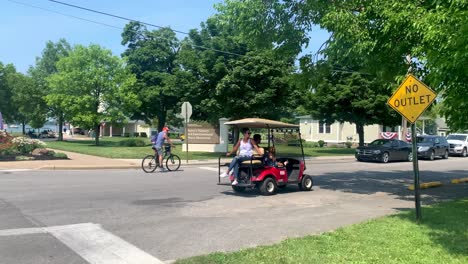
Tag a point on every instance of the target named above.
point(348, 144)
point(23, 158)
point(174, 135)
point(60, 155)
point(296, 142)
point(136, 134)
point(6, 144)
point(126, 134)
point(26, 145)
point(311, 145)
point(133, 142)
point(321, 143)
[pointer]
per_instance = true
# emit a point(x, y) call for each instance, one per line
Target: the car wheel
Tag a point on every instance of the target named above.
point(238, 188)
point(268, 187)
point(432, 156)
point(385, 157)
point(410, 156)
point(445, 156)
point(306, 183)
point(464, 153)
point(359, 159)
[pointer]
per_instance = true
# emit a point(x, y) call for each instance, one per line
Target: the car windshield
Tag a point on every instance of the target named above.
point(456, 137)
point(425, 140)
point(380, 142)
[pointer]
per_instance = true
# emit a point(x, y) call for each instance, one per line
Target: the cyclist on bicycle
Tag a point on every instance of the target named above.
point(158, 143)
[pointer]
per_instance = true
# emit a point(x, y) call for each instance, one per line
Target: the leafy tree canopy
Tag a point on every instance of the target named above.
point(93, 86)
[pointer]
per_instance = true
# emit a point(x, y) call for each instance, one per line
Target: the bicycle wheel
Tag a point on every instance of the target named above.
point(173, 163)
point(149, 164)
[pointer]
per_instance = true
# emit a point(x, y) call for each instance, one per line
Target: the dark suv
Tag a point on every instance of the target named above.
point(431, 146)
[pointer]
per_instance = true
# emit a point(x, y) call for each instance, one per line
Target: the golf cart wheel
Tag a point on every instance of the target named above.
point(432, 156)
point(149, 164)
point(306, 183)
point(410, 156)
point(238, 188)
point(385, 157)
point(268, 187)
point(445, 156)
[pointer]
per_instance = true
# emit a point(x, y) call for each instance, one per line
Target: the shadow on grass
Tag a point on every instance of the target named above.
point(447, 223)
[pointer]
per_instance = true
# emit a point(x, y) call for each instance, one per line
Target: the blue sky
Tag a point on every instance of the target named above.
point(25, 29)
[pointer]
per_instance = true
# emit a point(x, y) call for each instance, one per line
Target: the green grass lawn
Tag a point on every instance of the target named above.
point(441, 238)
point(110, 148)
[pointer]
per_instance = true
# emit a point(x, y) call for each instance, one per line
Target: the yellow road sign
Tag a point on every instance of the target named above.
point(412, 98)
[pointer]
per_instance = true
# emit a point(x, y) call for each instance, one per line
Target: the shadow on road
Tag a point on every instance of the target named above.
point(395, 183)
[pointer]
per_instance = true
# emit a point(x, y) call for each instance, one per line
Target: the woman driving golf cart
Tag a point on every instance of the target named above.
point(246, 147)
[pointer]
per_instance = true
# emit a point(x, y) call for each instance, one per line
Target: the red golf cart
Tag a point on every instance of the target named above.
point(256, 174)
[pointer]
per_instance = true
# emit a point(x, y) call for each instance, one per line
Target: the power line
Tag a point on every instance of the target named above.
point(115, 16)
point(63, 14)
point(121, 28)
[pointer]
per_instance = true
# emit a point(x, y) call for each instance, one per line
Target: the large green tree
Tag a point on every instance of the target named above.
point(6, 92)
point(92, 86)
point(376, 36)
point(227, 79)
point(46, 66)
point(348, 96)
point(151, 56)
point(28, 101)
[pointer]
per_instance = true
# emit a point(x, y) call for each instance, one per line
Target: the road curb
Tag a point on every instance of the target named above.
point(462, 180)
point(426, 185)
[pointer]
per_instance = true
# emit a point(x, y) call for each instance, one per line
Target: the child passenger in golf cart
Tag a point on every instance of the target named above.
point(270, 159)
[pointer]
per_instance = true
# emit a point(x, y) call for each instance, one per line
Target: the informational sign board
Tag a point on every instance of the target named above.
point(412, 98)
point(203, 134)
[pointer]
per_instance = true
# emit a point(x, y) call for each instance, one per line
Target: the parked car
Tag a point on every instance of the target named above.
point(458, 144)
point(430, 147)
point(385, 150)
point(78, 131)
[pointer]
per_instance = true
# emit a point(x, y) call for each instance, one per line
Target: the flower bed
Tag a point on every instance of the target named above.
point(23, 148)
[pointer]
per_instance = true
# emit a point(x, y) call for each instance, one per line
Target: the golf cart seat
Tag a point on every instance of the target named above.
point(256, 159)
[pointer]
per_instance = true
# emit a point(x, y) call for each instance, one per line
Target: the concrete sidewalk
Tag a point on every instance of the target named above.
point(78, 161)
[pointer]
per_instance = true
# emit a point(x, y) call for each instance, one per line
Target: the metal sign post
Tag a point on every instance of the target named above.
point(186, 113)
point(186, 134)
point(411, 99)
point(417, 193)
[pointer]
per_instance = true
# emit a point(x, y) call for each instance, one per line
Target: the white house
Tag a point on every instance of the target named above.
point(315, 130)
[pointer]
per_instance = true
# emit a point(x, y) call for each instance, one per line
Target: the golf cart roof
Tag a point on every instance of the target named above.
point(260, 123)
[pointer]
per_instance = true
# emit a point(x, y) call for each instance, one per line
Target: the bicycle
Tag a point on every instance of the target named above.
point(151, 162)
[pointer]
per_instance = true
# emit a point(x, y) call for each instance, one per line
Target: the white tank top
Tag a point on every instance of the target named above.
point(245, 149)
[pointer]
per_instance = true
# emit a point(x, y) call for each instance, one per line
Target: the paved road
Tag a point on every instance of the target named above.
point(72, 216)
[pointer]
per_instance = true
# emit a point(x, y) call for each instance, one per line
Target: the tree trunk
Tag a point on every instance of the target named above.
point(162, 114)
point(97, 134)
point(360, 131)
point(23, 124)
point(60, 123)
point(235, 135)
